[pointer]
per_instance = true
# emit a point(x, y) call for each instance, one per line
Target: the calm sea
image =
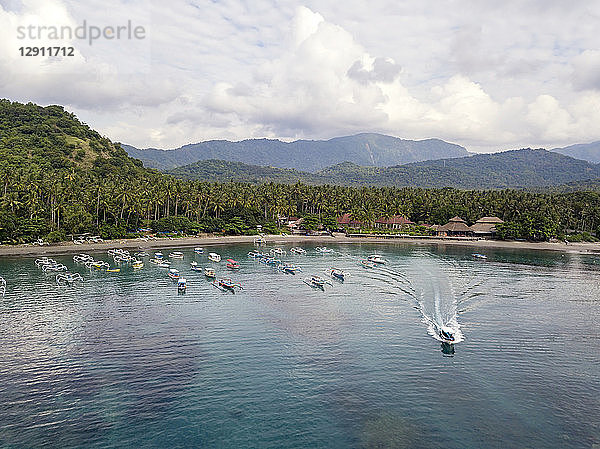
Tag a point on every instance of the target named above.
point(123, 360)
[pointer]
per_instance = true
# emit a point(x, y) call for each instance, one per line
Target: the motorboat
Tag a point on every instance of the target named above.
point(255, 254)
point(214, 257)
point(479, 256)
point(195, 267)
point(446, 334)
point(278, 252)
point(289, 268)
point(158, 255)
point(367, 263)
point(317, 282)
point(376, 258)
point(199, 250)
point(338, 274)
point(68, 278)
point(164, 264)
point(323, 250)
point(226, 284)
point(173, 273)
point(209, 272)
point(137, 264)
point(232, 264)
point(181, 285)
point(298, 250)
point(176, 255)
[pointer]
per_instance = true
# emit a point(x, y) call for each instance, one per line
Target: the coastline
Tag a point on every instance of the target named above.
point(136, 244)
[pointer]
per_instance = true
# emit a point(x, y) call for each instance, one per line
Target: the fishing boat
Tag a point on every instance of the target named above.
point(199, 250)
point(68, 278)
point(214, 257)
point(194, 267)
point(289, 268)
point(376, 258)
point(176, 255)
point(113, 270)
point(226, 284)
point(232, 264)
point(298, 250)
point(2, 286)
point(367, 263)
point(317, 282)
point(137, 265)
point(278, 252)
point(181, 285)
point(338, 274)
point(479, 256)
point(209, 272)
point(446, 334)
point(173, 273)
point(323, 250)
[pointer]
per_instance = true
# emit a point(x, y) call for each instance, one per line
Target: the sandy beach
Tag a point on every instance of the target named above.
point(137, 244)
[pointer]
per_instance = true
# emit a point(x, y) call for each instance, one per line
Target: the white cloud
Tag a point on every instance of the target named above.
point(490, 76)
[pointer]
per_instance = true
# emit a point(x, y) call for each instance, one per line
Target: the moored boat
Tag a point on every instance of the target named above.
point(323, 250)
point(181, 285)
point(68, 278)
point(289, 268)
point(2, 286)
point(376, 258)
point(214, 257)
point(209, 272)
point(173, 273)
point(226, 284)
point(278, 252)
point(479, 256)
point(232, 264)
point(338, 274)
point(298, 250)
point(317, 282)
point(137, 264)
point(195, 267)
point(199, 250)
point(176, 255)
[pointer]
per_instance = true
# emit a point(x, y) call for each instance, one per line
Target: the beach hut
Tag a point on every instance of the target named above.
point(393, 222)
point(456, 227)
point(486, 226)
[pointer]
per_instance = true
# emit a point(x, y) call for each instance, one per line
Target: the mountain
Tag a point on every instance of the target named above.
point(524, 168)
point(307, 155)
point(587, 151)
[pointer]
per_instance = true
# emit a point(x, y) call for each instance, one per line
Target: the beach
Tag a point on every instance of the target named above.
point(138, 244)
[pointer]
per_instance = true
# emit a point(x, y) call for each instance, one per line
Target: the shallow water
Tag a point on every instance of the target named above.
point(123, 360)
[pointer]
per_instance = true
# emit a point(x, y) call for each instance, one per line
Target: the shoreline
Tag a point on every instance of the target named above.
point(71, 248)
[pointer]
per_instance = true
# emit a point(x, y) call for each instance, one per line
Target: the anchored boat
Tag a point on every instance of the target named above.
point(367, 263)
point(323, 250)
point(209, 272)
point(194, 267)
point(317, 282)
point(289, 268)
point(298, 250)
point(181, 285)
point(199, 250)
point(214, 257)
point(278, 252)
point(67, 279)
point(137, 264)
point(376, 258)
point(338, 274)
point(232, 264)
point(479, 256)
point(176, 255)
point(226, 284)
point(173, 274)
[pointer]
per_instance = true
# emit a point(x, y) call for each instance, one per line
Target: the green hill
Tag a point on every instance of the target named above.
point(306, 155)
point(587, 151)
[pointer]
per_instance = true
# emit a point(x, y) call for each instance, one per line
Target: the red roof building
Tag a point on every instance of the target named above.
point(393, 222)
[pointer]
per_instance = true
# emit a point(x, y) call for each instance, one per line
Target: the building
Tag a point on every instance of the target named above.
point(393, 222)
point(486, 226)
point(456, 227)
point(346, 221)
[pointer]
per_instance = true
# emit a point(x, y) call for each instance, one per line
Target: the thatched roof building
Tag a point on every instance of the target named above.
point(486, 226)
point(456, 226)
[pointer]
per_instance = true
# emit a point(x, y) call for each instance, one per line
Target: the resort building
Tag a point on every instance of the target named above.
point(346, 221)
point(486, 226)
point(456, 227)
point(393, 222)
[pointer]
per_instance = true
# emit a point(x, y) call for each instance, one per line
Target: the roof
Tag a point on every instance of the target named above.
point(394, 219)
point(455, 224)
point(492, 220)
point(344, 219)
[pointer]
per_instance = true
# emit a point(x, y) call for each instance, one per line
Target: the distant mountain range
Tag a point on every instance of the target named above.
point(587, 151)
point(366, 149)
point(524, 168)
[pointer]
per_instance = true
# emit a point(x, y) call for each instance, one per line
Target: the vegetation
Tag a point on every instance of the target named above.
point(58, 177)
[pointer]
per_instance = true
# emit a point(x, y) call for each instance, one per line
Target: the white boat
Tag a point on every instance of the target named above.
point(209, 272)
point(214, 257)
point(446, 334)
point(158, 255)
point(68, 278)
point(479, 256)
point(176, 255)
point(199, 250)
point(195, 267)
point(278, 252)
point(142, 254)
point(323, 250)
point(82, 258)
point(298, 250)
point(164, 264)
point(376, 258)
point(289, 268)
point(173, 273)
point(181, 284)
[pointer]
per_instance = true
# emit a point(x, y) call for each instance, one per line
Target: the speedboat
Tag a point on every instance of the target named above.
point(298, 250)
point(173, 273)
point(446, 334)
point(323, 250)
point(214, 257)
point(317, 282)
point(209, 272)
point(289, 268)
point(199, 250)
point(181, 284)
point(194, 267)
point(338, 274)
point(479, 256)
point(176, 255)
point(226, 284)
point(232, 264)
point(376, 258)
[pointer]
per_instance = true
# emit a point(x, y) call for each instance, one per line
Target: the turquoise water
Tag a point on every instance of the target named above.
point(123, 360)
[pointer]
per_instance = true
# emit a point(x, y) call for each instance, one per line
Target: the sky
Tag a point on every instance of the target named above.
point(487, 75)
